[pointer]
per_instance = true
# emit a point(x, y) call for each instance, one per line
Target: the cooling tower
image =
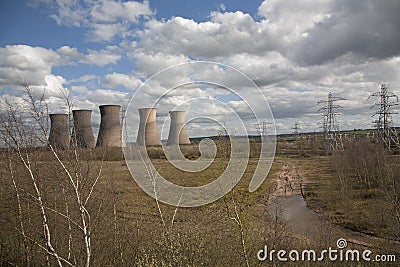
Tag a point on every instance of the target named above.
point(110, 128)
point(59, 132)
point(177, 131)
point(82, 131)
point(148, 133)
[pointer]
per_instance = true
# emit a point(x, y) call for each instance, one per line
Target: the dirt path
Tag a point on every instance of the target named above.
point(309, 226)
point(289, 182)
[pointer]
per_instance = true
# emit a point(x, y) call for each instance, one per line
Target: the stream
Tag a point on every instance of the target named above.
point(310, 227)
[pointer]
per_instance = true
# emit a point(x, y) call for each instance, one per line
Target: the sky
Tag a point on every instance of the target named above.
point(295, 51)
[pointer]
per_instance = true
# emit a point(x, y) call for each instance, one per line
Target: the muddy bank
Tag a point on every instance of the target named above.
point(306, 225)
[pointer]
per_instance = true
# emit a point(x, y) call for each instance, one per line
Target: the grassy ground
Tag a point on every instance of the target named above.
point(199, 236)
point(130, 229)
point(128, 226)
point(365, 210)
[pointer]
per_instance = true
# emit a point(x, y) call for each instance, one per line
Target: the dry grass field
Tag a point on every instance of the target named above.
point(129, 228)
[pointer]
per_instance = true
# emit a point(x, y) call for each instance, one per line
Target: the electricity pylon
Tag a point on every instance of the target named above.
point(333, 139)
point(385, 132)
point(296, 129)
point(262, 129)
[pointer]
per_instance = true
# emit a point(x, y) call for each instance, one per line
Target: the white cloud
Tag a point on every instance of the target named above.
point(110, 55)
point(69, 52)
point(33, 65)
point(83, 79)
point(114, 80)
point(27, 64)
point(224, 35)
point(150, 63)
point(53, 87)
point(110, 11)
point(333, 28)
point(102, 96)
point(291, 20)
point(104, 19)
point(106, 32)
point(295, 50)
point(79, 89)
point(304, 31)
point(69, 13)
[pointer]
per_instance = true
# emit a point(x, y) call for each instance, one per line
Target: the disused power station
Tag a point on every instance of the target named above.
point(59, 132)
point(110, 131)
point(148, 133)
point(110, 127)
point(178, 134)
point(82, 133)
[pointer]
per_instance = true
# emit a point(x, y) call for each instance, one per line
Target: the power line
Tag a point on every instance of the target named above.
point(262, 129)
point(330, 125)
point(296, 129)
point(385, 132)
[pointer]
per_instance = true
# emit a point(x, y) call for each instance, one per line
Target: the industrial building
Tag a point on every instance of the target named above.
point(59, 131)
point(148, 133)
point(178, 134)
point(110, 127)
point(82, 133)
point(110, 131)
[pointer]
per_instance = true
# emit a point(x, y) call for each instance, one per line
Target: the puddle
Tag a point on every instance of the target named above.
point(294, 210)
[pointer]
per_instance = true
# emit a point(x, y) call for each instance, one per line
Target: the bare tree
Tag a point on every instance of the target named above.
point(24, 129)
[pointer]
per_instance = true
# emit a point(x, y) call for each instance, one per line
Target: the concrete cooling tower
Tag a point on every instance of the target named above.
point(148, 133)
point(82, 131)
point(177, 131)
point(59, 132)
point(110, 132)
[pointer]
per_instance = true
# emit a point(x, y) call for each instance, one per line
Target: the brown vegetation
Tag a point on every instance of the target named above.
point(81, 207)
point(370, 184)
point(357, 188)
